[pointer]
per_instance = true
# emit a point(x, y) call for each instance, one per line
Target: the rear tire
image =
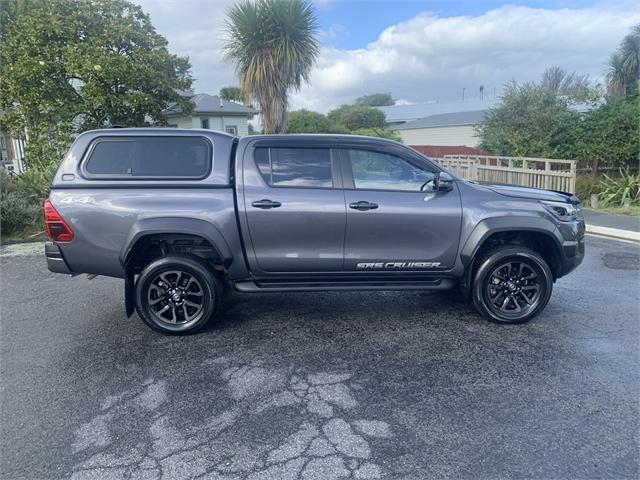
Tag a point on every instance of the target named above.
point(177, 294)
point(512, 284)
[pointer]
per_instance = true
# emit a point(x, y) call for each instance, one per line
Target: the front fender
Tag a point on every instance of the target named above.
point(489, 226)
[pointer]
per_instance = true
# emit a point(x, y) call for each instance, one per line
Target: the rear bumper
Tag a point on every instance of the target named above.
point(55, 261)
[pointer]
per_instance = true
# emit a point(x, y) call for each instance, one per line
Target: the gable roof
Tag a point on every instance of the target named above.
point(444, 120)
point(205, 103)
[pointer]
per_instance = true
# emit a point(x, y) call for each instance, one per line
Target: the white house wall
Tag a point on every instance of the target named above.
point(442, 136)
point(215, 122)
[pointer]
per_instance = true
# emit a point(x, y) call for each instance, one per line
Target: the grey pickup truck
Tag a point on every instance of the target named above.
point(181, 215)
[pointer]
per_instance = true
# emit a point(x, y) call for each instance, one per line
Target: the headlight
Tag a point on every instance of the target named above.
point(565, 212)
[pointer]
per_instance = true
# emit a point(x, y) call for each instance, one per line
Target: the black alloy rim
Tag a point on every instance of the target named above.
point(513, 289)
point(176, 297)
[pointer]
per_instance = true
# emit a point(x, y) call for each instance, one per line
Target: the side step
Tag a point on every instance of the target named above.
point(332, 285)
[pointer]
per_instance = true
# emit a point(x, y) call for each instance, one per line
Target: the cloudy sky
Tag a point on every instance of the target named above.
point(418, 51)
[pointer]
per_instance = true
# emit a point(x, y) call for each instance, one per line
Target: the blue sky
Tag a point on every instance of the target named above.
point(419, 51)
point(365, 19)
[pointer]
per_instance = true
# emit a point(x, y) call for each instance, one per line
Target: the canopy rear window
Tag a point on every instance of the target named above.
point(150, 157)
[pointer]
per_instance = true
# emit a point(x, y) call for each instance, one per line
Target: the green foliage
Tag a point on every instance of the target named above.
point(378, 132)
point(623, 76)
point(231, 94)
point(72, 65)
point(614, 191)
point(35, 183)
point(355, 117)
point(609, 133)
point(306, 121)
point(17, 211)
point(562, 82)
point(531, 121)
point(586, 186)
point(376, 100)
point(274, 46)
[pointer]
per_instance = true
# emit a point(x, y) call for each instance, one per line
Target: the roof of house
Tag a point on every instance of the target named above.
point(407, 113)
point(444, 120)
point(205, 103)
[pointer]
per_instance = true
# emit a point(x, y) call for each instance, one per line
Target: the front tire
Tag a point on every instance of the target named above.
point(177, 294)
point(512, 284)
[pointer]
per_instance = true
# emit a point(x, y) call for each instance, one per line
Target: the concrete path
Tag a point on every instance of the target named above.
point(626, 227)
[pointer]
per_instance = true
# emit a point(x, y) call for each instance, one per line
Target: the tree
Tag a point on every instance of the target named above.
point(231, 94)
point(559, 81)
point(71, 65)
point(274, 46)
point(623, 76)
point(378, 132)
point(530, 121)
point(306, 121)
point(355, 117)
point(609, 134)
point(376, 100)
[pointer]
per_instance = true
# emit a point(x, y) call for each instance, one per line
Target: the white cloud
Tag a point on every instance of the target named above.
point(427, 57)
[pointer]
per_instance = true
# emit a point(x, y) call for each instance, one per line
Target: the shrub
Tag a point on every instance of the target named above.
point(614, 191)
point(35, 183)
point(17, 211)
point(379, 132)
point(586, 186)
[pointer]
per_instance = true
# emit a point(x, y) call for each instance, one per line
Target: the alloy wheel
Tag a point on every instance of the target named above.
point(513, 289)
point(176, 297)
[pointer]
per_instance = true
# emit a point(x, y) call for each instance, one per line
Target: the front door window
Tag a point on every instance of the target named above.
point(382, 171)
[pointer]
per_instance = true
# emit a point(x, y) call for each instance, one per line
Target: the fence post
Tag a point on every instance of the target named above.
point(473, 171)
point(572, 181)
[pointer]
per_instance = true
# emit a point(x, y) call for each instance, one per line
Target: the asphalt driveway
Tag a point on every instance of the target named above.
point(330, 385)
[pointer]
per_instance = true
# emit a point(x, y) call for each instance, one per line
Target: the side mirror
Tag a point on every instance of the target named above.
point(443, 182)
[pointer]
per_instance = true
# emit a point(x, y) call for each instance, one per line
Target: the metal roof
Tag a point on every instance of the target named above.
point(205, 103)
point(407, 113)
point(444, 120)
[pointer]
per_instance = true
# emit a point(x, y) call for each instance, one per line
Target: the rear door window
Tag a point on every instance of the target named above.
point(295, 167)
point(150, 157)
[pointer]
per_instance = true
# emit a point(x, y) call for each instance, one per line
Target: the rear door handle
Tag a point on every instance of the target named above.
point(266, 204)
point(362, 205)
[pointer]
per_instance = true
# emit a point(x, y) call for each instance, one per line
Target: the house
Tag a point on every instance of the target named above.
point(399, 114)
point(11, 153)
point(211, 112)
point(443, 134)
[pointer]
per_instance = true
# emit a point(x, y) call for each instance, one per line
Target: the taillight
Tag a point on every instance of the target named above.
point(57, 228)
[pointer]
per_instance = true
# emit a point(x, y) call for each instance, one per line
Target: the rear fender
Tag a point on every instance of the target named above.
point(179, 225)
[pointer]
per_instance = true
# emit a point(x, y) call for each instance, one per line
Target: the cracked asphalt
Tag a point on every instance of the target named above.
point(366, 385)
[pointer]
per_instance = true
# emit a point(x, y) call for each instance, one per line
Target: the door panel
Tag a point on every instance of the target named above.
point(407, 229)
point(294, 215)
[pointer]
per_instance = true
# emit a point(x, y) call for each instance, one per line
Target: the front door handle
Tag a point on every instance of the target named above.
point(362, 205)
point(266, 204)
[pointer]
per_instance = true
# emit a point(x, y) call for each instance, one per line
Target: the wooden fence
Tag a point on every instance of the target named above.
point(547, 173)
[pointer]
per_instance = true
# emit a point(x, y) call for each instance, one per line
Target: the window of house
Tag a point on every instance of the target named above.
point(188, 157)
point(232, 129)
point(382, 171)
point(204, 123)
point(295, 167)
